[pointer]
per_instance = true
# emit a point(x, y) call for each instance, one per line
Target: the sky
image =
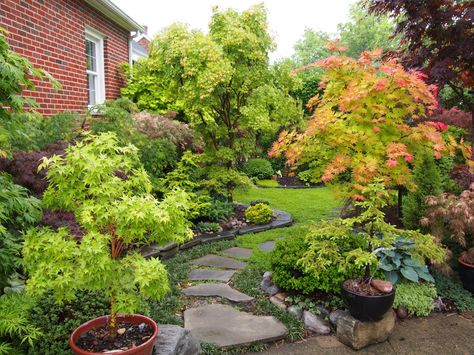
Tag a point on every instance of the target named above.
point(287, 18)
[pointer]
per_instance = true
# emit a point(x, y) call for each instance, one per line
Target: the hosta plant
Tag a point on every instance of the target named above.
point(398, 263)
point(108, 190)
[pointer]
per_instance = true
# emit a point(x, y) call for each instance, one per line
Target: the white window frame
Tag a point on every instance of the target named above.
point(98, 39)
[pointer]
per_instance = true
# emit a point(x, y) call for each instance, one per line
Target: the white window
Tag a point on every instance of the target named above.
point(95, 67)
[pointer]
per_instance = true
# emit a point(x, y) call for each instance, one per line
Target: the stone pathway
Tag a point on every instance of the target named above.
point(237, 252)
point(211, 275)
point(220, 262)
point(219, 290)
point(222, 324)
point(227, 327)
point(267, 246)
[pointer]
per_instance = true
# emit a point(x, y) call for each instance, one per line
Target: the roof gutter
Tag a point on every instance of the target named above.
point(113, 12)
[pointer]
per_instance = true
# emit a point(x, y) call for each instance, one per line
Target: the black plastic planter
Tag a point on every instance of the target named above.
point(466, 272)
point(368, 308)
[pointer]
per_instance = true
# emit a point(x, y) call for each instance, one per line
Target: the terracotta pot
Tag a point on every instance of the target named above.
point(368, 308)
point(144, 349)
point(466, 272)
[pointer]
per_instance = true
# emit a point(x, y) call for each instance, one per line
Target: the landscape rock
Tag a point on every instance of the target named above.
point(267, 284)
point(316, 323)
point(174, 340)
point(296, 311)
point(402, 312)
point(323, 312)
point(382, 286)
point(227, 327)
point(219, 261)
point(334, 316)
point(279, 303)
point(219, 289)
point(358, 335)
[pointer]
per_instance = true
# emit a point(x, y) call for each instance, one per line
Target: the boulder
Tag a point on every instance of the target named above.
point(358, 335)
point(267, 284)
point(316, 323)
point(278, 302)
point(334, 316)
point(174, 340)
point(296, 311)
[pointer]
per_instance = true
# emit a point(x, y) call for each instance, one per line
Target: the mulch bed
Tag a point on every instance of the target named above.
point(362, 287)
point(97, 340)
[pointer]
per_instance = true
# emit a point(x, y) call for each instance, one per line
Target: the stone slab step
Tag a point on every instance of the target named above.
point(217, 289)
point(237, 252)
point(219, 261)
point(211, 275)
point(227, 327)
point(267, 246)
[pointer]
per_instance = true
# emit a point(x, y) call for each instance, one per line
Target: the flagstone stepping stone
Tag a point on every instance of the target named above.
point(237, 252)
point(267, 246)
point(220, 290)
point(211, 275)
point(219, 261)
point(227, 327)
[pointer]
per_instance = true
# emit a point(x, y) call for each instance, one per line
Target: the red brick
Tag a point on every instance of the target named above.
point(51, 34)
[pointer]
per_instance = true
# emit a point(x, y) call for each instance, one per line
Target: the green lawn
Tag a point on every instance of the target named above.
point(304, 205)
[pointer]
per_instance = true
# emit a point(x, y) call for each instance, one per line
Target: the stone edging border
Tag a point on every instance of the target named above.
point(283, 219)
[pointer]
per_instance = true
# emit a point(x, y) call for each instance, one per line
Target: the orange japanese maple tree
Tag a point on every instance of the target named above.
point(368, 124)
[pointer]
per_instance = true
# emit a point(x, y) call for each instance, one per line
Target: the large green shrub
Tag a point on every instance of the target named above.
point(260, 213)
point(324, 255)
point(158, 156)
point(108, 190)
point(287, 273)
point(417, 298)
point(258, 168)
point(428, 182)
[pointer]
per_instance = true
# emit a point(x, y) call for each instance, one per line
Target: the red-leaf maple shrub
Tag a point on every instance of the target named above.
point(368, 124)
point(23, 167)
point(452, 216)
point(456, 117)
point(439, 39)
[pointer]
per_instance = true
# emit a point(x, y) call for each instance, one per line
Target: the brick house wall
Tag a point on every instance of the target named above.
point(51, 34)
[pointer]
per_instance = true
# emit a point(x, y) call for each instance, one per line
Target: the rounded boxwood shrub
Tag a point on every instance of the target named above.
point(317, 260)
point(287, 274)
point(258, 168)
point(260, 213)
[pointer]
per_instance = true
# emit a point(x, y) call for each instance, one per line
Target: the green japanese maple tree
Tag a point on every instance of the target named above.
point(223, 84)
point(108, 190)
point(367, 124)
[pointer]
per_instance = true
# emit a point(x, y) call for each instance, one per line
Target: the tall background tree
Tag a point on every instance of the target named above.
point(363, 32)
point(223, 84)
point(438, 38)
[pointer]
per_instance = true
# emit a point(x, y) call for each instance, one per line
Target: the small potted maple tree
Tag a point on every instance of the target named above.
point(453, 216)
point(368, 298)
point(109, 192)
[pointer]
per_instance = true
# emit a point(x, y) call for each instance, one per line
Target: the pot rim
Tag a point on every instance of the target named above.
point(462, 262)
point(368, 296)
point(104, 319)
